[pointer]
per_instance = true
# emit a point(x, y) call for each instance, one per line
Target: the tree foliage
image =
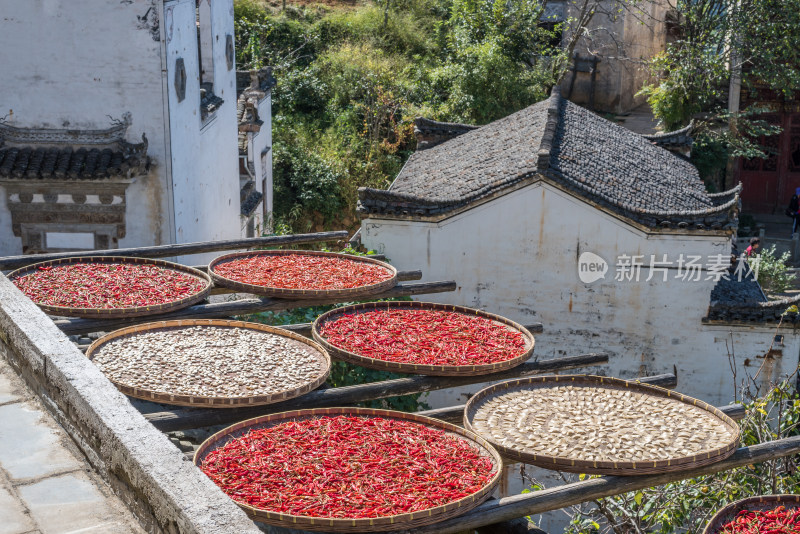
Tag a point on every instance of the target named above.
point(759, 38)
point(351, 81)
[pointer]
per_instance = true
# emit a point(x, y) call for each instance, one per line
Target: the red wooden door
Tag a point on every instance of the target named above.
point(789, 157)
point(762, 188)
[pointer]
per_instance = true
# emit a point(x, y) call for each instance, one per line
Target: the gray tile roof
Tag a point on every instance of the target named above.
point(251, 87)
point(735, 291)
point(73, 162)
point(261, 79)
point(564, 143)
point(676, 139)
point(735, 301)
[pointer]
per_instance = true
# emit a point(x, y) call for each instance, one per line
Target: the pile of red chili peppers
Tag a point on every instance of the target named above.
point(299, 271)
point(107, 285)
point(428, 337)
point(776, 521)
point(348, 467)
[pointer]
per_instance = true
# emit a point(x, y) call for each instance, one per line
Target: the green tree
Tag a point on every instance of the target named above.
point(759, 37)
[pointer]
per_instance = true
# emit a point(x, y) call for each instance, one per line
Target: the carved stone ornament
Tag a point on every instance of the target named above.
point(230, 56)
point(27, 136)
point(180, 79)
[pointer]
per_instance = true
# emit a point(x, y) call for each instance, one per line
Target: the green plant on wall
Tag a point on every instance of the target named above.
point(772, 270)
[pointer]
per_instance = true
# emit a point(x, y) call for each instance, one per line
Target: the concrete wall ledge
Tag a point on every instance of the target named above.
point(165, 491)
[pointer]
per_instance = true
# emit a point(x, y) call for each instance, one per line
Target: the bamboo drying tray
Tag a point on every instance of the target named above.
point(421, 369)
point(762, 503)
point(119, 313)
point(596, 384)
point(377, 524)
point(277, 292)
point(213, 401)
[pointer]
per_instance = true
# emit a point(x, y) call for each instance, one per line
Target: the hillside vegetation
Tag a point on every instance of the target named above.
point(351, 79)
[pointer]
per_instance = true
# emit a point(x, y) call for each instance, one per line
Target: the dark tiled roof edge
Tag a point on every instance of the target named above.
point(74, 162)
point(430, 133)
point(653, 217)
point(264, 80)
point(662, 136)
point(386, 202)
point(251, 203)
point(210, 102)
point(424, 125)
point(753, 312)
point(382, 202)
point(550, 127)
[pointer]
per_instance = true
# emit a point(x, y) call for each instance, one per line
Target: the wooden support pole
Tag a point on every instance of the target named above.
point(304, 329)
point(184, 418)
point(402, 276)
point(241, 307)
point(455, 414)
point(164, 251)
point(380, 257)
point(559, 497)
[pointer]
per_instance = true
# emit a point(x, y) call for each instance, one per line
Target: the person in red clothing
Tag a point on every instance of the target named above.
point(755, 246)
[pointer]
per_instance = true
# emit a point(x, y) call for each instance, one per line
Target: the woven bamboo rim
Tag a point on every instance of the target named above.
point(761, 503)
point(649, 467)
point(377, 524)
point(119, 313)
point(420, 369)
point(209, 401)
point(277, 292)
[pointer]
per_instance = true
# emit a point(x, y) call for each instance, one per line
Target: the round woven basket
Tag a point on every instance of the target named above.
point(119, 313)
point(277, 292)
point(649, 467)
point(207, 401)
point(762, 503)
point(421, 369)
point(378, 524)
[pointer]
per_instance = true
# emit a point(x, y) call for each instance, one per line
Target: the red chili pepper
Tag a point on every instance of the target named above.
point(299, 271)
point(424, 337)
point(353, 467)
point(776, 521)
point(107, 285)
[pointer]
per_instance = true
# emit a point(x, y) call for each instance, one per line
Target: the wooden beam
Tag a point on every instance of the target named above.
point(164, 251)
point(380, 257)
point(559, 497)
point(402, 276)
point(455, 414)
point(304, 329)
point(184, 418)
point(242, 307)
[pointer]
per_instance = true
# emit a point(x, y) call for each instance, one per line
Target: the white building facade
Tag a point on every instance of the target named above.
point(511, 210)
point(90, 80)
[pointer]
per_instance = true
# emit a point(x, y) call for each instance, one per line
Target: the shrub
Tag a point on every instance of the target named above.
point(304, 182)
point(772, 271)
point(482, 84)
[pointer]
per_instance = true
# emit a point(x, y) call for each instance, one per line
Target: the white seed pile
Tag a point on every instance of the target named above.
point(209, 361)
point(593, 424)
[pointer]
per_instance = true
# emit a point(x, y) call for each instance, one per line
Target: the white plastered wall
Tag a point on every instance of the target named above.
point(77, 65)
point(517, 256)
point(204, 153)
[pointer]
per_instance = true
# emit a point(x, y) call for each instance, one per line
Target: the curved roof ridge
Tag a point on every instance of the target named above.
point(659, 213)
point(575, 149)
point(688, 129)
